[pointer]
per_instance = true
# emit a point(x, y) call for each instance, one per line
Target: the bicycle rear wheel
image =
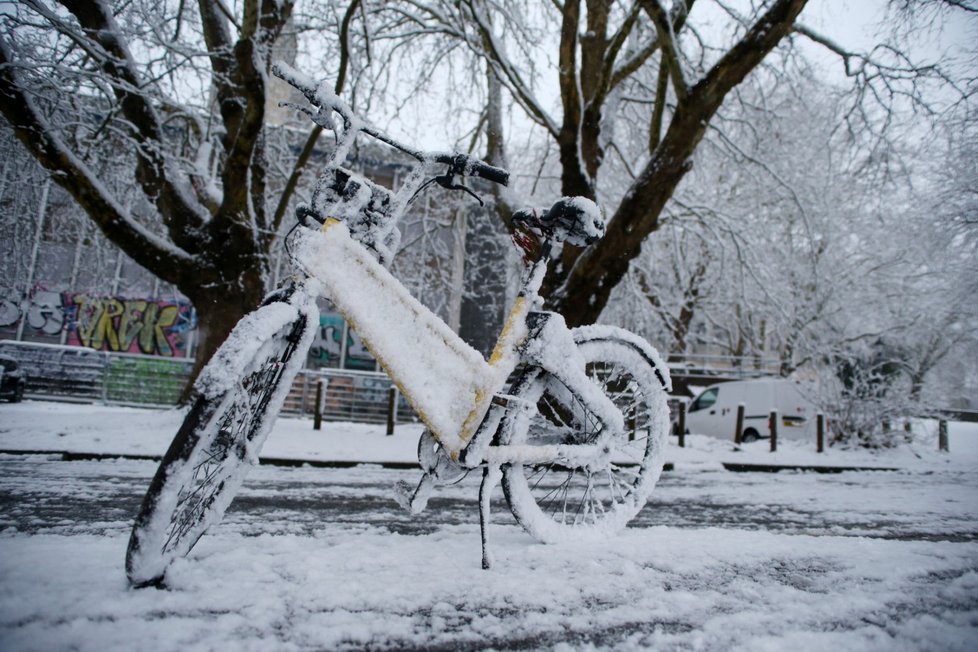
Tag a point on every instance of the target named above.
point(245, 385)
point(553, 502)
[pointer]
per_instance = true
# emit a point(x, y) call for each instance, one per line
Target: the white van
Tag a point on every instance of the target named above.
point(714, 411)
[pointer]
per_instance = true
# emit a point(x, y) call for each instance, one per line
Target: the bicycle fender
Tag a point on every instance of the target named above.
point(227, 364)
point(601, 332)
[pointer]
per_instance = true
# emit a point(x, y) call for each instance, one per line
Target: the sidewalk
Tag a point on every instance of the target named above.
point(78, 431)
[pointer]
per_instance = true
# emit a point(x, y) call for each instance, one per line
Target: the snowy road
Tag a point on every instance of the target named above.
point(46, 495)
point(322, 559)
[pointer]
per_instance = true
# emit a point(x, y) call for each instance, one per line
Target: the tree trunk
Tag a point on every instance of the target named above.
point(580, 286)
point(218, 310)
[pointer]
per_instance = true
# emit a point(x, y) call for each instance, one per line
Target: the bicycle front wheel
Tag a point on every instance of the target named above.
point(245, 384)
point(556, 503)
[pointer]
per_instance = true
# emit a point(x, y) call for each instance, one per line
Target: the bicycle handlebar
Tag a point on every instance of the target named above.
point(470, 166)
point(322, 99)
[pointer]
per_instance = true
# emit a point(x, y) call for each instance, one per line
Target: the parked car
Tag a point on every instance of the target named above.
point(13, 380)
point(714, 411)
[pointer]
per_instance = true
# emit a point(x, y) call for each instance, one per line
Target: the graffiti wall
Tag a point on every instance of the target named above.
point(327, 348)
point(147, 326)
point(119, 324)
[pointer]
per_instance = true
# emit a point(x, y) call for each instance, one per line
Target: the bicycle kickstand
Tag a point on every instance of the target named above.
point(490, 478)
point(414, 500)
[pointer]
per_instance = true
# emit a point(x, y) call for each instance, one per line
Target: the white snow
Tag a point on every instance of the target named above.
point(353, 586)
point(444, 378)
point(100, 429)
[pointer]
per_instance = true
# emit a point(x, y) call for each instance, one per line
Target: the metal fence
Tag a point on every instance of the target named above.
point(704, 366)
point(362, 396)
point(73, 373)
point(78, 374)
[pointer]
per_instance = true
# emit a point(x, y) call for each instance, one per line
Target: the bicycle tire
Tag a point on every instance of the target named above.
point(219, 439)
point(555, 503)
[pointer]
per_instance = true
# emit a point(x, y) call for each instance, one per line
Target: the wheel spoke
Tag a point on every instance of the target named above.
point(216, 461)
point(579, 496)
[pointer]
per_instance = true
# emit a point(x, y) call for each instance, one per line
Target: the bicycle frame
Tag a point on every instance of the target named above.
point(570, 390)
point(454, 390)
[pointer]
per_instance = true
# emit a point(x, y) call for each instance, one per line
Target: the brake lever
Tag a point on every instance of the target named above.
point(447, 181)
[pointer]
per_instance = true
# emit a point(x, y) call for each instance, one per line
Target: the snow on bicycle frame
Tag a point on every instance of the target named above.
point(577, 440)
point(448, 383)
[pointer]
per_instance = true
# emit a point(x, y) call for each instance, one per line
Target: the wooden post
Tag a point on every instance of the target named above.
point(774, 430)
point(317, 413)
point(682, 425)
point(739, 432)
point(942, 436)
point(391, 409)
point(820, 432)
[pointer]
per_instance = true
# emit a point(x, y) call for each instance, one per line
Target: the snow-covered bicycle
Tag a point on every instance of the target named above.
point(572, 421)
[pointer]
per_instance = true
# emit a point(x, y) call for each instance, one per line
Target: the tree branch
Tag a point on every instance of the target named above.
point(667, 44)
point(162, 258)
point(659, 109)
point(166, 187)
point(313, 137)
point(598, 269)
point(509, 74)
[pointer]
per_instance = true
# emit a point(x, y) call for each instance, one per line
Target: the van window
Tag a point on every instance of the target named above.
point(704, 400)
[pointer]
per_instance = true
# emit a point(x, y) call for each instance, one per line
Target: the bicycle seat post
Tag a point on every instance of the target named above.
point(535, 274)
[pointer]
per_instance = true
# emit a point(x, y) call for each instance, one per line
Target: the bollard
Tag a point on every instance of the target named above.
point(682, 425)
point(317, 413)
point(820, 432)
point(942, 436)
point(391, 409)
point(739, 432)
point(774, 431)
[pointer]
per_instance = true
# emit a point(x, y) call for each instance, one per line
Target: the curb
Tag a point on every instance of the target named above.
point(69, 456)
point(774, 468)
point(735, 467)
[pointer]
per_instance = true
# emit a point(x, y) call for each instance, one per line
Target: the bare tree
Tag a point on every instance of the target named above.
point(173, 101)
point(610, 57)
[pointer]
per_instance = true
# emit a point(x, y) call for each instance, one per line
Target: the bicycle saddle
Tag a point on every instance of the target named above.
point(576, 220)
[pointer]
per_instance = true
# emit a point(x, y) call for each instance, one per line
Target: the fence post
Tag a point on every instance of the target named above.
point(739, 432)
point(774, 431)
point(106, 363)
point(682, 425)
point(317, 415)
point(820, 432)
point(304, 401)
point(942, 436)
point(391, 409)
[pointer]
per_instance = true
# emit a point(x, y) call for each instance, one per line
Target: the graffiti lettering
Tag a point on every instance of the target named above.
point(104, 323)
point(133, 325)
point(44, 311)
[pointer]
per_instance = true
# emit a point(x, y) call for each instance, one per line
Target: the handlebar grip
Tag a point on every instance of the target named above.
point(472, 167)
point(489, 172)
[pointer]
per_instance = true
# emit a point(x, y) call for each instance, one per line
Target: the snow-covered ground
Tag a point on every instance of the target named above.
point(45, 426)
point(363, 586)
